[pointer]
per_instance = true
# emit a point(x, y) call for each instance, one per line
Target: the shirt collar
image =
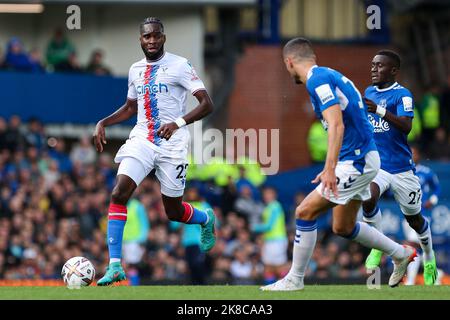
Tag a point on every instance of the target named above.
point(386, 89)
point(309, 74)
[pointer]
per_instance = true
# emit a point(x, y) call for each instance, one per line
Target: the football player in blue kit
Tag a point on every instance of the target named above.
point(391, 111)
point(351, 164)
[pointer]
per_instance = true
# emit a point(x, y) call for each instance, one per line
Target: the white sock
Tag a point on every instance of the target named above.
point(372, 238)
point(426, 242)
point(112, 260)
point(413, 269)
point(304, 243)
point(373, 218)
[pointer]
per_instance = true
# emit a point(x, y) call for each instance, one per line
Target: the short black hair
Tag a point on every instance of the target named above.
point(395, 57)
point(300, 48)
point(151, 20)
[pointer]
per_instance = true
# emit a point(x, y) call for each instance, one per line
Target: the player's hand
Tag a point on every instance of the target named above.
point(371, 106)
point(166, 130)
point(99, 136)
point(329, 183)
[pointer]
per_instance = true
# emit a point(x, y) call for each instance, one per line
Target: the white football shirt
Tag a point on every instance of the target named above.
point(161, 89)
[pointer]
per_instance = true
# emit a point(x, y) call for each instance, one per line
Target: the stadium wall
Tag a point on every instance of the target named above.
point(263, 90)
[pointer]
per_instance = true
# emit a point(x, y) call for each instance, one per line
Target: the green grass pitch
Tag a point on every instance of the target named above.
point(315, 292)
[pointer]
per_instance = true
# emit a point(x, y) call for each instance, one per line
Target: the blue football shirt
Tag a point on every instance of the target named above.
point(392, 144)
point(327, 87)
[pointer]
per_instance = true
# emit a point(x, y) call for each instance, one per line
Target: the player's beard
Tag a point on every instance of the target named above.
point(153, 56)
point(297, 79)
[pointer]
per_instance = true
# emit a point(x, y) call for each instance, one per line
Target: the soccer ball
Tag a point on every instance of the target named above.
point(78, 272)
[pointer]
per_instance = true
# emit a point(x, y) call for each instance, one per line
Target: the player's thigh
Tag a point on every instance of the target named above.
point(407, 192)
point(344, 217)
point(132, 168)
point(136, 159)
point(171, 173)
point(383, 180)
point(312, 206)
point(353, 179)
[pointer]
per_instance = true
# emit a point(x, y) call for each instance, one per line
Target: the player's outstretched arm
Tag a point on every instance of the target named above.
point(402, 123)
point(204, 108)
point(123, 113)
point(333, 116)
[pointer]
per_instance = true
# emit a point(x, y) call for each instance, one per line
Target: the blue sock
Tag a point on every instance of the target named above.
point(192, 215)
point(115, 235)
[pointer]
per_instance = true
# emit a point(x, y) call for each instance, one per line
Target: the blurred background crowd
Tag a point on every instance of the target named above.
point(60, 56)
point(56, 82)
point(54, 199)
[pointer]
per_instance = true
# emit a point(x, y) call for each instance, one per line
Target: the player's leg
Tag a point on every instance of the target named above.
point(171, 172)
point(412, 271)
point(407, 192)
point(344, 224)
point(180, 211)
point(372, 213)
point(304, 242)
point(130, 173)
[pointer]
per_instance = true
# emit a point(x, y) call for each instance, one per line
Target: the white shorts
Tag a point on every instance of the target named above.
point(406, 189)
point(137, 158)
point(274, 252)
point(352, 185)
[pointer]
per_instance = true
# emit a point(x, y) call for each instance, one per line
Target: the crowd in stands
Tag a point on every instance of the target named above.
point(60, 56)
point(53, 204)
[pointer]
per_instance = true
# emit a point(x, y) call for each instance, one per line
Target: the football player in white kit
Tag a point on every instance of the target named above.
point(157, 89)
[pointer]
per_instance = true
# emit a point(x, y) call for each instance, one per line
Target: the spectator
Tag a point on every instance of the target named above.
point(247, 206)
point(3, 129)
point(35, 135)
point(13, 136)
point(16, 58)
point(83, 152)
point(37, 66)
point(317, 142)
point(59, 154)
point(241, 268)
point(195, 258)
point(429, 109)
point(274, 251)
point(135, 234)
point(96, 65)
point(59, 49)
point(439, 147)
point(71, 65)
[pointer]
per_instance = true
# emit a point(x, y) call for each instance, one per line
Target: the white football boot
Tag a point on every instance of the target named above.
point(401, 266)
point(285, 284)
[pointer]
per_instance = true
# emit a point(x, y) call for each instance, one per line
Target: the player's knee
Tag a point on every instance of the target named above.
point(370, 204)
point(342, 230)
point(119, 196)
point(304, 212)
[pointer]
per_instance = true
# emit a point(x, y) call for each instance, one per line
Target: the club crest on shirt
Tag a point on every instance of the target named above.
point(382, 104)
point(379, 125)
